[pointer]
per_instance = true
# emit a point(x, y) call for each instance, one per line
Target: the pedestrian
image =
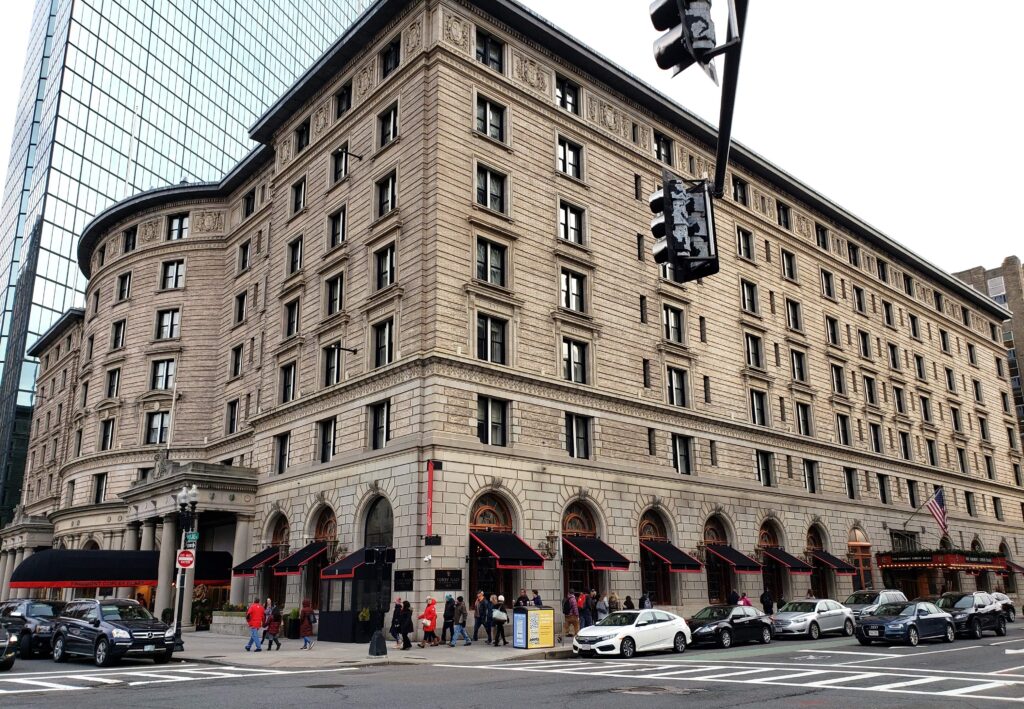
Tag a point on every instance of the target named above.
point(744, 601)
point(396, 624)
point(254, 617)
point(499, 617)
point(733, 598)
point(307, 616)
point(571, 611)
point(268, 611)
point(536, 598)
point(461, 618)
point(614, 604)
point(480, 617)
point(405, 624)
point(448, 616)
point(428, 619)
point(602, 609)
point(523, 599)
point(810, 594)
point(592, 605)
point(645, 601)
point(767, 602)
point(274, 629)
point(583, 604)
point(628, 604)
point(492, 602)
point(781, 602)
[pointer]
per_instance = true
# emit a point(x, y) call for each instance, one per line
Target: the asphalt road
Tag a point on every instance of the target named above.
point(789, 674)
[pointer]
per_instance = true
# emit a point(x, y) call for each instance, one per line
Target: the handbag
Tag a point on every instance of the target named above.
point(424, 622)
point(499, 616)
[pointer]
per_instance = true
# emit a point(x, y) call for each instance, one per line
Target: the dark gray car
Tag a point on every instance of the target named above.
point(864, 602)
point(110, 629)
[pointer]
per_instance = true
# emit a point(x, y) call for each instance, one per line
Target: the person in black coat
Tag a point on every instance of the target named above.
point(405, 626)
point(448, 629)
point(767, 602)
point(733, 598)
point(396, 624)
point(628, 603)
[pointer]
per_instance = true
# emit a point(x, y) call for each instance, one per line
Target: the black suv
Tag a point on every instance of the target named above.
point(30, 623)
point(110, 629)
point(7, 650)
point(974, 612)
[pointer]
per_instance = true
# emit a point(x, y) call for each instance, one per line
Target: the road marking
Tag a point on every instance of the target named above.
point(673, 673)
point(851, 652)
point(93, 678)
point(907, 683)
point(734, 673)
point(1004, 642)
point(1009, 669)
point(792, 675)
point(41, 684)
point(973, 689)
point(845, 678)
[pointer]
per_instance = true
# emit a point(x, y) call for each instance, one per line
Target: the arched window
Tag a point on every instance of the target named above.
point(859, 550)
point(815, 541)
point(577, 573)
point(380, 524)
point(491, 513)
point(281, 533)
point(579, 520)
point(655, 577)
point(652, 526)
point(1009, 581)
point(326, 526)
point(773, 574)
point(91, 545)
point(768, 536)
point(714, 532)
point(275, 587)
point(983, 578)
point(719, 574)
point(822, 575)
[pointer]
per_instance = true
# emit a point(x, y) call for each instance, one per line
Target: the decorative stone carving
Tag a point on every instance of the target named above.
point(456, 31)
point(803, 226)
point(609, 118)
point(320, 119)
point(413, 37)
point(645, 137)
point(531, 73)
point(495, 483)
point(148, 230)
point(365, 78)
point(284, 151)
point(583, 493)
point(207, 222)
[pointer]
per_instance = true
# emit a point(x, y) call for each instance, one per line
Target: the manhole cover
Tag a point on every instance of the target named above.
point(650, 691)
point(324, 686)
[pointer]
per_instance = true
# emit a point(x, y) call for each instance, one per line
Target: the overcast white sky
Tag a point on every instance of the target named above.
point(906, 113)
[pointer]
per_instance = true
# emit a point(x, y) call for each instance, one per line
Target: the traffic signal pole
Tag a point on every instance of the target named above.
point(730, 78)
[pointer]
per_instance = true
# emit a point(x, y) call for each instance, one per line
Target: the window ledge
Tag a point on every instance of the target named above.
point(381, 149)
point(295, 215)
point(493, 212)
point(493, 141)
point(339, 182)
point(572, 180)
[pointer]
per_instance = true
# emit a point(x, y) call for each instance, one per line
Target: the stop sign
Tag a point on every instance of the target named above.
point(186, 559)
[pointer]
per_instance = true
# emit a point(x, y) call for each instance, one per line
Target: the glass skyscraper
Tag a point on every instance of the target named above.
point(120, 96)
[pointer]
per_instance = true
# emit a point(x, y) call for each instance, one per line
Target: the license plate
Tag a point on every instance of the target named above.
point(873, 633)
point(149, 648)
point(584, 646)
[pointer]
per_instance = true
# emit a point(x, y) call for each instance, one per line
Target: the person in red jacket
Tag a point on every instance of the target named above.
point(429, 621)
point(254, 617)
point(274, 629)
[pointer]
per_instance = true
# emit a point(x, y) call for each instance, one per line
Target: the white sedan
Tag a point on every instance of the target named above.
point(626, 633)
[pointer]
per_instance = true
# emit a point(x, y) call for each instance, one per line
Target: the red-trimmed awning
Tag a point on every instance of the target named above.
point(835, 563)
point(81, 568)
point(509, 549)
point(345, 568)
point(249, 567)
point(1014, 568)
point(678, 560)
point(292, 564)
point(601, 556)
point(795, 566)
point(956, 559)
point(741, 563)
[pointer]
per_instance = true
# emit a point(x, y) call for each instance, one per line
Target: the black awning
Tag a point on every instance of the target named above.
point(80, 568)
point(601, 556)
point(795, 566)
point(250, 565)
point(741, 563)
point(1013, 568)
point(213, 568)
point(678, 560)
point(292, 564)
point(346, 568)
point(510, 551)
point(836, 564)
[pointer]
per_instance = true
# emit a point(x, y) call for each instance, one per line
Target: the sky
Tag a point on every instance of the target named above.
point(903, 118)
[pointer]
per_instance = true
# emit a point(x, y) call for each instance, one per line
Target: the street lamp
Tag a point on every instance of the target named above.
point(187, 517)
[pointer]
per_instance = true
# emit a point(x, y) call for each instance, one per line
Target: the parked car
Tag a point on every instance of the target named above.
point(626, 633)
point(812, 618)
point(974, 612)
point(863, 602)
point(8, 648)
point(110, 629)
point(726, 624)
point(1007, 603)
point(30, 623)
point(907, 622)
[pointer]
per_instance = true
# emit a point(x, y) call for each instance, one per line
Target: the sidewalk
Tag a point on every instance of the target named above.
point(219, 649)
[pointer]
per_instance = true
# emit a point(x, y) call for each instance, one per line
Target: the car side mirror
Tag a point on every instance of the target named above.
point(641, 623)
point(922, 611)
point(95, 622)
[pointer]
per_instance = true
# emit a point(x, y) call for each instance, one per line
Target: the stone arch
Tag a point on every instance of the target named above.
point(508, 491)
point(720, 515)
point(370, 494)
point(664, 507)
point(381, 512)
point(771, 531)
point(977, 544)
point(1009, 578)
point(819, 529)
point(594, 500)
point(581, 515)
point(91, 544)
point(314, 520)
point(272, 527)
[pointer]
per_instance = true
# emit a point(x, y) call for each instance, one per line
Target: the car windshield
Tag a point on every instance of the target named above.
point(713, 613)
point(619, 619)
point(894, 609)
point(861, 599)
point(43, 610)
point(798, 607)
point(125, 612)
point(954, 602)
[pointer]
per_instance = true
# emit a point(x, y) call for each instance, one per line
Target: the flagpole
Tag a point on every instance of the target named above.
point(921, 507)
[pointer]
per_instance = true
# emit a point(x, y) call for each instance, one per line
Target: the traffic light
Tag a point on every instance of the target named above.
point(684, 228)
point(691, 33)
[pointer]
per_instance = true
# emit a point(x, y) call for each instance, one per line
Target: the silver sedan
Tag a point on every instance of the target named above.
point(811, 618)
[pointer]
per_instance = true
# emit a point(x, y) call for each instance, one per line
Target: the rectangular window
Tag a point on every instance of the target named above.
point(113, 382)
point(915, 326)
point(343, 100)
point(864, 342)
point(491, 416)
point(678, 386)
point(859, 300)
point(124, 286)
point(950, 380)
point(853, 254)
point(821, 237)
point(288, 382)
point(490, 338)
point(850, 475)
point(682, 454)
point(754, 348)
point(961, 461)
point(490, 50)
point(248, 203)
point(887, 314)
point(832, 331)
point(326, 430)
point(997, 507)
point(573, 291)
point(875, 434)
point(390, 57)
point(782, 214)
point(938, 301)
point(804, 419)
point(161, 374)
point(899, 400)
point(244, 250)
point(382, 343)
point(117, 334)
point(99, 488)
point(990, 468)
point(299, 196)
point(490, 189)
point(843, 431)
point(789, 266)
point(739, 190)
point(282, 449)
point(933, 452)
point(291, 318)
point(107, 434)
point(168, 324)
point(764, 472)
point(380, 424)
point(926, 409)
point(567, 94)
point(908, 284)
point(976, 386)
point(758, 408)
point(883, 488)
point(905, 451)
point(490, 262)
point(954, 414)
point(302, 133)
point(295, 255)
point(386, 194)
point(173, 275)
point(177, 227)
point(919, 366)
point(794, 315)
point(674, 323)
point(798, 365)
point(387, 124)
point(339, 163)
point(334, 290)
point(128, 239)
point(811, 476)
point(894, 356)
point(490, 118)
point(577, 435)
point(745, 243)
point(882, 268)
point(336, 228)
point(828, 286)
point(983, 428)
point(240, 307)
point(662, 148)
point(574, 360)
point(231, 417)
point(1011, 437)
point(570, 158)
point(641, 248)
point(870, 391)
point(332, 364)
point(384, 266)
point(748, 297)
point(972, 508)
point(570, 223)
point(235, 364)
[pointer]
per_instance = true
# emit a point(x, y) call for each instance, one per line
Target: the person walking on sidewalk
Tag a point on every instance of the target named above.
point(428, 619)
point(571, 611)
point(448, 617)
point(614, 605)
point(536, 598)
point(583, 603)
point(396, 624)
point(481, 613)
point(767, 602)
point(744, 601)
point(602, 609)
point(405, 625)
point(306, 619)
point(254, 617)
point(273, 629)
point(461, 618)
point(499, 617)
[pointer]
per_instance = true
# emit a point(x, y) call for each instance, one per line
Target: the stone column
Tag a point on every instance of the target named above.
point(5, 561)
point(148, 535)
point(165, 571)
point(11, 566)
point(239, 553)
point(129, 542)
point(25, 554)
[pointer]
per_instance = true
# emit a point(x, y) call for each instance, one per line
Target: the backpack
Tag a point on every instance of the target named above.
point(567, 607)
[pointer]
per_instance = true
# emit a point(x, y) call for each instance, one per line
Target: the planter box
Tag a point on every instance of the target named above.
point(230, 623)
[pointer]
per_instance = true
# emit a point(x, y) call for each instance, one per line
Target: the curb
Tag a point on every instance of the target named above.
point(558, 654)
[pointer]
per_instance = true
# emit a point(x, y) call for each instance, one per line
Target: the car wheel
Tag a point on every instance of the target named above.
point(950, 633)
point(25, 647)
point(976, 631)
point(864, 641)
point(102, 653)
point(627, 648)
point(724, 638)
point(912, 637)
point(848, 628)
point(6, 665)
point(1011, 615)
point(1001, 627)
point(59, 652)
point(766, 635)
point(813, 631)
point(163, 658)
point(679, 643)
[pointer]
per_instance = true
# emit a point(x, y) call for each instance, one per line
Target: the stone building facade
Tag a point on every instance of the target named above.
point(441, 252)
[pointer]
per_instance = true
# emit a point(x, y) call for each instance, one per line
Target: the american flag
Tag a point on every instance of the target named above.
point(937, 506)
